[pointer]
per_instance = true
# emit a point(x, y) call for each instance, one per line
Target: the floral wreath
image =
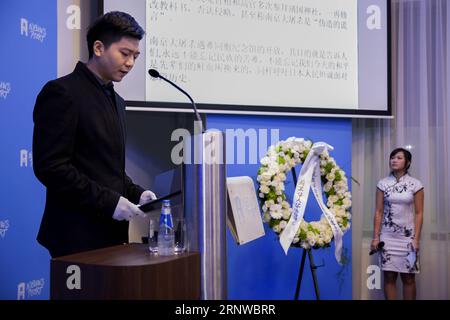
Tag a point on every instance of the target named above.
point(279, 160)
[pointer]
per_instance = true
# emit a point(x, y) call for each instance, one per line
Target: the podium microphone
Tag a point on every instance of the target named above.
point(155, 74)
point(379, 247)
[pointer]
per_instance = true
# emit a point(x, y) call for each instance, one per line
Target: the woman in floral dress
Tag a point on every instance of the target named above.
point(398, 222)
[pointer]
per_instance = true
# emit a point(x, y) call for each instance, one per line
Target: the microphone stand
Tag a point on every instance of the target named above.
point(155, 74)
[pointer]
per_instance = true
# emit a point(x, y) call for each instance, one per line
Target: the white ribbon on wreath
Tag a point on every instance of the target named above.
point(309, 177)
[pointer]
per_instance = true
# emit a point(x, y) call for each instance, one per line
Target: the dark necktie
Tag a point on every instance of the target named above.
point(109, 90)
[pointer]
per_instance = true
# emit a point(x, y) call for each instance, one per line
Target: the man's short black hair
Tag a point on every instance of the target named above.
point(111, 27)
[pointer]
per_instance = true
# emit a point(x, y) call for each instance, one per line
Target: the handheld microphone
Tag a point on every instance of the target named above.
point(379, 247)
point(155, 74)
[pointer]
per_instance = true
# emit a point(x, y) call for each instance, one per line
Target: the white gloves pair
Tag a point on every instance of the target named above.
point(125, 210)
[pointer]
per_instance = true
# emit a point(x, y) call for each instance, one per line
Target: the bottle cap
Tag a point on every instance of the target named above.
point(165, 202)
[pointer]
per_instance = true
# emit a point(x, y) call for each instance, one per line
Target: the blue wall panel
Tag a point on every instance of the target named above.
point(28, 59)
point(260, 269)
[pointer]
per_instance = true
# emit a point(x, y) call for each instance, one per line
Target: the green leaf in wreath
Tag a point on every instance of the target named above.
point(272, 195)
point(345, 221)
point(274, 222)
point(337, 176)
point(302, 235)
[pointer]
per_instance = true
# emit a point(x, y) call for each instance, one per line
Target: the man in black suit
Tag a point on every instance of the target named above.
point(79, 145)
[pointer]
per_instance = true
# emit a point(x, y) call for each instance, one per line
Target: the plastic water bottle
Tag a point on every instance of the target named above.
point(166, 238)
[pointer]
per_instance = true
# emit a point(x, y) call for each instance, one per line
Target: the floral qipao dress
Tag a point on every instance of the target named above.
point(397, 227)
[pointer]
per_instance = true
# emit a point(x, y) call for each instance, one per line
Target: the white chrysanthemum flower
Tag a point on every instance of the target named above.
point(276, 214)
point(283, 224)
point(327, 186)
point(265, 161)
point(261, 195)
point(339, 212)
point(264, 189)
point(264, 183)
point(276, 207)
point(333, 198)
point(286, 214)
point(347, 203)
point(266, 176)
point(330, 177)
point(320, 242)
point(296, 240)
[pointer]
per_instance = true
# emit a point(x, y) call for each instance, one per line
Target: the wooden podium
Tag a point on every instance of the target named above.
point(126, 271)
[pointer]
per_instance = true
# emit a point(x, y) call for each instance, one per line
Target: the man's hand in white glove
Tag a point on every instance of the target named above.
point(146, 196)
point(125, 210)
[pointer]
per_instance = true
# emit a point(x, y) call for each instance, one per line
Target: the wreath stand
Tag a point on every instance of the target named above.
point(312, 265)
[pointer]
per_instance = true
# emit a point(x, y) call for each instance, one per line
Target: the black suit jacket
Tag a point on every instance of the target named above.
point(79, 156)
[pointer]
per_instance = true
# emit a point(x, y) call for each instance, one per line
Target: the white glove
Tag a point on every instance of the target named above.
point(146, 196)
point(125, 210)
